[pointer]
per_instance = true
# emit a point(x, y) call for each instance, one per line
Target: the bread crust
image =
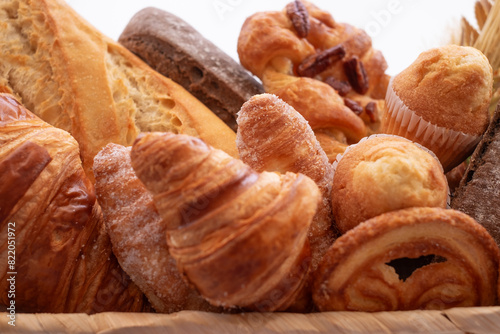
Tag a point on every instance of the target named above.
point(79, 80)
point(175, 49)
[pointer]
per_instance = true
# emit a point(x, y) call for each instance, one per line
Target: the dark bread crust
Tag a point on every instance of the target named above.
point(176, 50)
point(478, 194)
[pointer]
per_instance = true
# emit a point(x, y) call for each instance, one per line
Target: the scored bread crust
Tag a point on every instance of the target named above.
point(77, 79)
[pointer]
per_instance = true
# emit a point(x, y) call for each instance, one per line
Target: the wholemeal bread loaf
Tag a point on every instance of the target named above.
point(77, 79)
point(478, 194)
point(177, 50)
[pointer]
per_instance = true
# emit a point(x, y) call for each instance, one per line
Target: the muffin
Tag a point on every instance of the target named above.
point(441, 101)
point(385, 173)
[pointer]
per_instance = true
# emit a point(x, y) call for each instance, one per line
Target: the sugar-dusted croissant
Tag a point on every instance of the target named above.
point(240, 237)
point(417, 258)
point(138, 235)
point(77, 79)
point(63, 259)
point(304, 41)
point(273, 137)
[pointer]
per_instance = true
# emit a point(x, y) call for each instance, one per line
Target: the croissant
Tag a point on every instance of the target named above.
point(273, 137)
point(416, 258)
point(304, 41)
point(75, 78)
point(138, 235)
point(63, 259)
point(239, 237)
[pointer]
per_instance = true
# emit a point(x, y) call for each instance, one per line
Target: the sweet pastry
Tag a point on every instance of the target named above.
point(385, 173)
point(138, 235)
point(450, 261)
point(478, 194)
point(323, 108)
point(238, 236)
point(63, 259)
point(273, 137)
point(285, 48)
point(178, 51)
point(76, 79)
point(441, 101)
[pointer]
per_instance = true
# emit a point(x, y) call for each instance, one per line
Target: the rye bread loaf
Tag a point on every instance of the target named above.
point(177, 50)
point(478, 194)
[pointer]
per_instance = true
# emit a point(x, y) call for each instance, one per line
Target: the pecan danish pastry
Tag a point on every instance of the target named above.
point(302, 51)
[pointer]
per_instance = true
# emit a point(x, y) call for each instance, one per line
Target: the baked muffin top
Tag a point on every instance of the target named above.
point(382, 174)
point(449, 86)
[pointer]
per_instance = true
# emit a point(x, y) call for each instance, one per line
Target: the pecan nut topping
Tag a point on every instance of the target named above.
point(299, 16)
point(342, 87)
point(356, 74)
point(353, 105)
point(317, 63)
point(371, 110)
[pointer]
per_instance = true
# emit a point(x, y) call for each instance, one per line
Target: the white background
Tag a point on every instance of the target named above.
point(401, 29)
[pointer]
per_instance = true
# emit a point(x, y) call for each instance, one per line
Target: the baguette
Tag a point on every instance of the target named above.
point(81, 81)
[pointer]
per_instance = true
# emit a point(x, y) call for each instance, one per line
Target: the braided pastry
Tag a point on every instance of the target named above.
point(417, 258)
point(239, 237)
point(63, 254)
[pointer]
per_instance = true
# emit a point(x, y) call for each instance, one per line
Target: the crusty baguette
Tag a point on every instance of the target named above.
point(77, 79)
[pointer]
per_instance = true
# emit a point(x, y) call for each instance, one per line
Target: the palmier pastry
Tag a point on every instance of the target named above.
point(138, 235)
point(239, 237)
point(304, 41)
point(63, 259)
point(416, 258)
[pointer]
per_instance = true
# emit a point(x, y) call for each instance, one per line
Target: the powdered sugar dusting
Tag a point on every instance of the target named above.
point(138, 234)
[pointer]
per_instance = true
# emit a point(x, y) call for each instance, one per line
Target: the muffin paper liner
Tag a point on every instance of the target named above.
point(340, 155)
point(451, 147)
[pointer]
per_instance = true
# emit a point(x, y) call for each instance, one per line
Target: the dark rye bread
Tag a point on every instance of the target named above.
point(176, 50)
point(478, 194)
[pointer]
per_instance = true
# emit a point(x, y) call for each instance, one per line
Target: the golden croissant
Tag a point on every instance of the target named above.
point(238, 236)
point(63, 260)
point(416, 258)
point(138, 235)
